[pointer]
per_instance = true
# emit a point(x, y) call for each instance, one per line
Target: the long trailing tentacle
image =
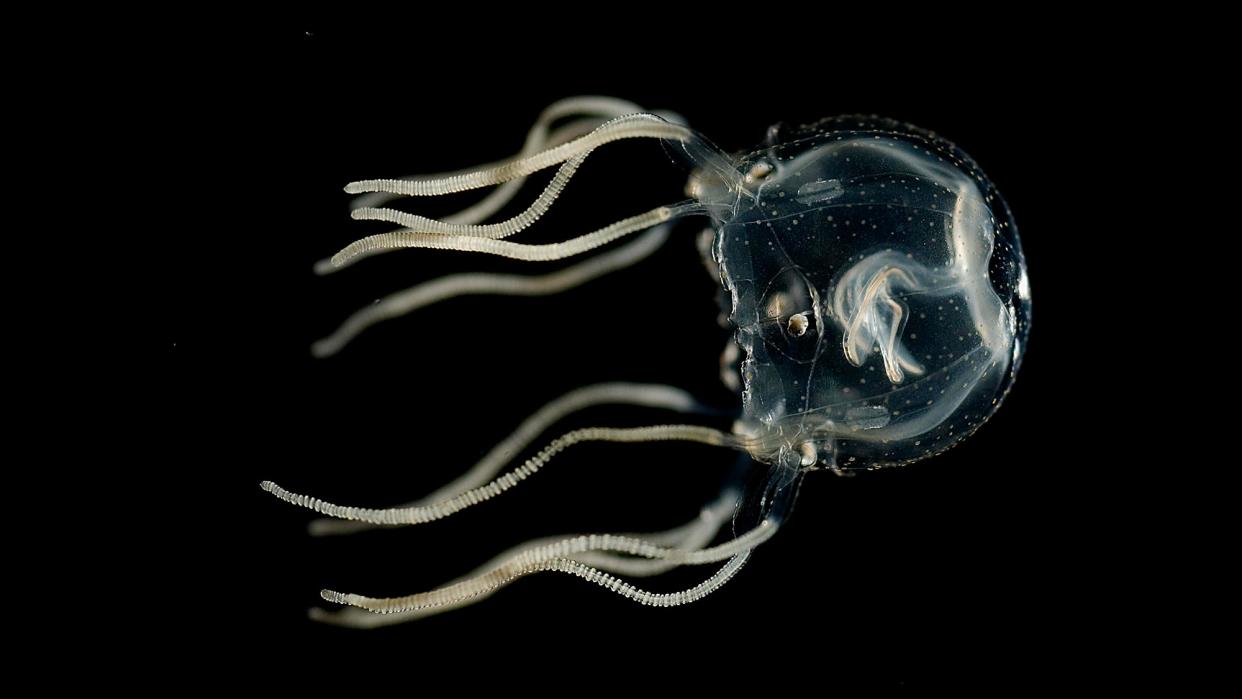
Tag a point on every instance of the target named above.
point(421, 225)
point(504, 193)
point(504, 248)
point(601, 110)
point(616, 393)
point(466, 222)
point(690, 536)
point(641, 125)
point(586, 556)
point(422, 232)
point(448, 287)
point(502, 229)
point(594, 111)
point(456, 225)
point(572, 154)
point(444, 508)
point(558, 557)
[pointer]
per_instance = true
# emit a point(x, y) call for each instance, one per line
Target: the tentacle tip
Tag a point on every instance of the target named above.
point(267, 486)
point(325, 266)
point(334, 597)
point(356, 188)
point(321, 349)
point(320, 615)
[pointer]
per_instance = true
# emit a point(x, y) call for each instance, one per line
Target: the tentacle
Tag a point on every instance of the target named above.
point(690, 536)
point(461, 223)
point(448, 287)
point(557, 557)
point(646, 395)
point(444, 508)
point(642, 125)
point(540, 136)
point(503, 248)
point(503, 229)
point(455, 225)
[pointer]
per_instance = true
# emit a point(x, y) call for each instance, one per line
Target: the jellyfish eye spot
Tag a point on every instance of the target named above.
point(758, 172)
point(808, 455)
point(798, 324)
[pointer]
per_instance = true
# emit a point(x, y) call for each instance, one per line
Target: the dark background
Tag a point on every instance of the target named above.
point(958, 570)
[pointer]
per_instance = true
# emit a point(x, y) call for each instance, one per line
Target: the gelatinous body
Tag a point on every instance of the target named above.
point(870, 271)
point(905, 264)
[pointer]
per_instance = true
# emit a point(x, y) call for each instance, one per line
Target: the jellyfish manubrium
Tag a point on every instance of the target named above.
point(871, 274)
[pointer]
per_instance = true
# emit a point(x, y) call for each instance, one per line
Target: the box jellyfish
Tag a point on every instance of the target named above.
point(871, 275)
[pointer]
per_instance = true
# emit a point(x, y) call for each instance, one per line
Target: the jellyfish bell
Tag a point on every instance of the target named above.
point(872, 277)
point(877, 289)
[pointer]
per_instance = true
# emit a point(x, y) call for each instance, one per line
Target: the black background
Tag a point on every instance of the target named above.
point(957, 570)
